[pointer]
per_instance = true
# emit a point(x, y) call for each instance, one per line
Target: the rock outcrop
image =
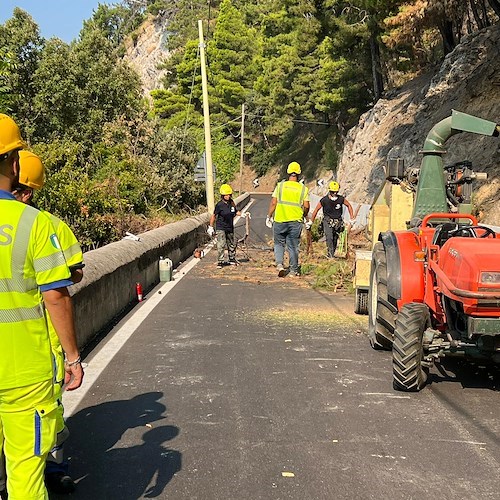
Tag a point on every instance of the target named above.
point(146, 50)
point(468, 81)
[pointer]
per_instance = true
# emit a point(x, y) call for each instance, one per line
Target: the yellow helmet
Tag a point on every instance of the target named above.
point(31, 170)
point(226, 189)
point(333, 186)
point(10, 136)
point(293, 168)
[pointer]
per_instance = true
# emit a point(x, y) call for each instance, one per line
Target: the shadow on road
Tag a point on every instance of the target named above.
point(469, 375)
point(116, 452)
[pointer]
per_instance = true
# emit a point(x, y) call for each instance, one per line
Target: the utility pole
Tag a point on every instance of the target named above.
point(241, 145)
point(209, 183)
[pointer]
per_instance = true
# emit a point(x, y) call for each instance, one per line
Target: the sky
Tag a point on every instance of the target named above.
point(59, 18)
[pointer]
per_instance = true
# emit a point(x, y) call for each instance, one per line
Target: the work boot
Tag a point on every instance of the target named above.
point(59, 482)
point(281, 271)
point(233, 262)
point(219, 265)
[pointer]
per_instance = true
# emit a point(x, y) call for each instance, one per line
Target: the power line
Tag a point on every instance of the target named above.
point(293, 120)
point(195, 69)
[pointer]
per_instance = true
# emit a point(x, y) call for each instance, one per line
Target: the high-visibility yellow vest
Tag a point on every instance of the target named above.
point(74, 259)
point(69, 244)
point(290, 196)
point(30, 257)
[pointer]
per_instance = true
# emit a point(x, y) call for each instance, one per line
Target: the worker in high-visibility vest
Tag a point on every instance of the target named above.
point(32, 177)
point(287, 210)
point(33, 274)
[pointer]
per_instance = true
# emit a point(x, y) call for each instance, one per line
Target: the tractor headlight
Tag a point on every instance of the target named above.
point(490, 278)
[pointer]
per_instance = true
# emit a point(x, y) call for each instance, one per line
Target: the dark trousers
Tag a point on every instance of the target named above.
point(225, 239)
point(332, 228)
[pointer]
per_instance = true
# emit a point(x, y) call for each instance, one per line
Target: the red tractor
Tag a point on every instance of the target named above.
point(435, 288)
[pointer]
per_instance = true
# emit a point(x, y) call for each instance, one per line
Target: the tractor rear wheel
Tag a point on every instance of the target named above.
point(381, 310)
point(407, 349)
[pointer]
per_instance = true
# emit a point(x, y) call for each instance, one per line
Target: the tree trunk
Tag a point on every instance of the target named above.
point(495, 5)
point(376, 63)
point(378, 79)
point(485, 13)
point(446, 31)
point(475, 12)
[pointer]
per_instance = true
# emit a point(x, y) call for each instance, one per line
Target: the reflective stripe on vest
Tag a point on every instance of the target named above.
point(17, 283)
point(69, 244)
point(290, 203)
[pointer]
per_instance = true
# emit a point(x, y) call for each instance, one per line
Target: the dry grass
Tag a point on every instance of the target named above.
point(324, 318)
point(318, 272)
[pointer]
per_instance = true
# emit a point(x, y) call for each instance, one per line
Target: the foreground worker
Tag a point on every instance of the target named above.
point(223, 217)
point(333, 223)
point(32, 177)
point(33, 273)
point(289, 205)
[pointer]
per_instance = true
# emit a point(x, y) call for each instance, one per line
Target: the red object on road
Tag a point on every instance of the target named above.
point(138, 289)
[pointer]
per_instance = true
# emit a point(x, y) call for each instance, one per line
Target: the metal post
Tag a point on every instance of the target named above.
point(209, 184)
point(241, 145)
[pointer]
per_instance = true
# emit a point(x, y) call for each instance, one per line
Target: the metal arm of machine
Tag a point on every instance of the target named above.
point(431, 189)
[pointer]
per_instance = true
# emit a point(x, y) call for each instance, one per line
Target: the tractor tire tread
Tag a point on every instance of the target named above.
point(408, 373)
point(381, 327)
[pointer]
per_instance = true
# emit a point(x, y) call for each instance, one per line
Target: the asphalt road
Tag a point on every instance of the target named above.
point(241, 385)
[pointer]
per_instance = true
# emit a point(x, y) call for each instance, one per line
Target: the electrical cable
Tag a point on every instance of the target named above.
point(195, 69)
point(293, 120)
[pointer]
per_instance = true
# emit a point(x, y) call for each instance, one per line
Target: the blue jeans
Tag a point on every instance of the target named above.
point(287, 234)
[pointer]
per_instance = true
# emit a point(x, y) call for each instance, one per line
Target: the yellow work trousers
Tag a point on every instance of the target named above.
point(28, 419)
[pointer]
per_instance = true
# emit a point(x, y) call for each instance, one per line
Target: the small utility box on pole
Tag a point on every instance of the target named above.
point(200, 171)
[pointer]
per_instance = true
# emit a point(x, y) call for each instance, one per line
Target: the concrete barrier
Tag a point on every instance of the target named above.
point(111, 272)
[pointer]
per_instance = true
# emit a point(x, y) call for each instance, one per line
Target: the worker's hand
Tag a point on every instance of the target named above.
point(308, 225)
point(73, 377)
point(269, 222)
point(211, 231)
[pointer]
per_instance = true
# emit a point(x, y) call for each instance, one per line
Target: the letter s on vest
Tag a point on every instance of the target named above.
point(5, 238)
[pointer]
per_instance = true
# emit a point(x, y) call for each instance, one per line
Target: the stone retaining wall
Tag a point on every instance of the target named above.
point(111, 272)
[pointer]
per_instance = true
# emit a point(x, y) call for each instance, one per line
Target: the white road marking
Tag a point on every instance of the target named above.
point(386, 394)
point(111, 346)
point(116, 341)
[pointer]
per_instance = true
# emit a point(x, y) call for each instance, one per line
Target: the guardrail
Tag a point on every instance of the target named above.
point(111, 272)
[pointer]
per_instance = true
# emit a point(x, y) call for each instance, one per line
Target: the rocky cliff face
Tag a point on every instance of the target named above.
point(145, 50)
point(468, 81)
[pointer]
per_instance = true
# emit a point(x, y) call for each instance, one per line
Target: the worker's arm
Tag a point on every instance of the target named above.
point(306, 208)
point(316, 210)
point(237, 211)
point(272, 207)
point(212, 220)
point(76, 275)
point(351, 211)
point(59, 306)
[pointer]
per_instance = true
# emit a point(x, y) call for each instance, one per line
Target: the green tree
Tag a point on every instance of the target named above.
point(291, 33)
point(81, 87)
point(233, 63)
point(7, 67)
point(20, 38)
